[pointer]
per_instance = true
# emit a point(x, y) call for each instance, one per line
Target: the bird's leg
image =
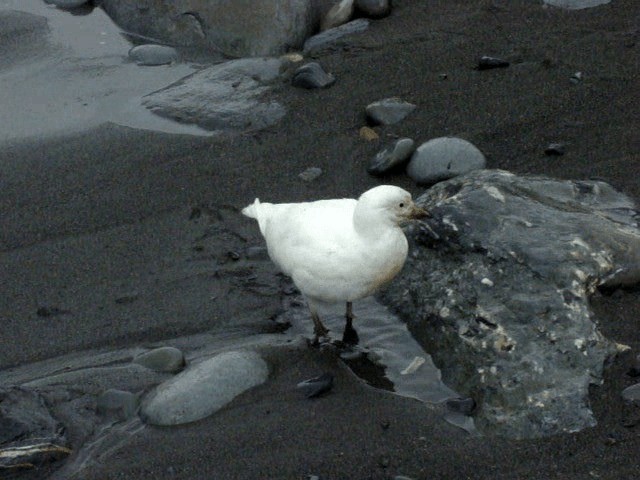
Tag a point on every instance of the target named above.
point(319, 330)
point(350, 336)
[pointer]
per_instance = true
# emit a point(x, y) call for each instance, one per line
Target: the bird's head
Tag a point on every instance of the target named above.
point(390, 204)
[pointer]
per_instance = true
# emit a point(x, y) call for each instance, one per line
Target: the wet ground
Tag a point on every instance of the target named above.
point(116, 237)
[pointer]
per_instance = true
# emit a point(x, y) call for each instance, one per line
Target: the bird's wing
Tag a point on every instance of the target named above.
point(296, 231)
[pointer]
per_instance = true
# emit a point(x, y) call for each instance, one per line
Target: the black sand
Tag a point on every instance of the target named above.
point(94, 216)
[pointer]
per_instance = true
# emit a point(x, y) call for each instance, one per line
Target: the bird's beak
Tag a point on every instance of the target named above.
point(416, 213)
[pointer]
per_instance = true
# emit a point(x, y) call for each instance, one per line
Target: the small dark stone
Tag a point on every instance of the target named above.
point(385, 424)
point(634, 372)
point(392, 156)
point(632, 394)
point(384, 462)
point(235, 256)
point(196, 212)
point(464, 405)
point(67, 4)
point(50, 311)
point(612, 439)
point(312, 75)
point(554, 149)
point(374, 8)
point(126, 299)
point(487, 63)
point(316, 386)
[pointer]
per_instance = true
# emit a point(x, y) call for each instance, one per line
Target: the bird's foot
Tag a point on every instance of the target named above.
point(350, 335)
point(320, 335)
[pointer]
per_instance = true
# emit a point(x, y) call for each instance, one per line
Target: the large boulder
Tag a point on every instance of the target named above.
point(497, 289)
point(228, 97)
point(238, 29)
point(22, 37)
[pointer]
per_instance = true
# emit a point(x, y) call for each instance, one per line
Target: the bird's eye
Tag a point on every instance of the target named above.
point(401, 205)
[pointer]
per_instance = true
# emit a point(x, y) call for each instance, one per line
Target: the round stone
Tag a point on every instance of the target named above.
point(443, 158)
point(163, 359)
point(204, 388)
point(151, 54)
point(374, 8)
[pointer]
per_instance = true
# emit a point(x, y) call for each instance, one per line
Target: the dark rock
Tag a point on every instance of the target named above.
point(312, 75)
point(117, 403)
point(50, 311)
point(125, 299)
point(443, 158)
point(389, 111)
point(228, 97)
point(151, 55)
point(487, 63)
point(393, 156)
point(484, 292)
point(331, 36)
point(373, 8)
point(634, 371)
point(28, 432)
point(316, 386)
point(235, 29)
point(554, 149)
point(465, 405)
point(632, 394)
point(67, 4)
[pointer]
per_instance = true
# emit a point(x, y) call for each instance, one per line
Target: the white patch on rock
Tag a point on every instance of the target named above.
point(487, 282)
point(495, 193)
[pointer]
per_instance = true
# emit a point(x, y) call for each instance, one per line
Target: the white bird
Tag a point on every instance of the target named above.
point(338, 250)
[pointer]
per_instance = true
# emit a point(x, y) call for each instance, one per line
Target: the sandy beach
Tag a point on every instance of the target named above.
point(100, 224)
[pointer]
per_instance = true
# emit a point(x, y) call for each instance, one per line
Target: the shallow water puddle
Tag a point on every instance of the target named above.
point(81, 78)
point(387, 356)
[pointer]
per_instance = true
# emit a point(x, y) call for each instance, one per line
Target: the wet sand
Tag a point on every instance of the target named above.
point(93, 217)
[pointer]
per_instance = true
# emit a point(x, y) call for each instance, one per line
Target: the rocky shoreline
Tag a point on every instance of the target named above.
point(130, 265)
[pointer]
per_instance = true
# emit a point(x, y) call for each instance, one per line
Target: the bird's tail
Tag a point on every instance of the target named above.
point(259, 211)
point(251, 211)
